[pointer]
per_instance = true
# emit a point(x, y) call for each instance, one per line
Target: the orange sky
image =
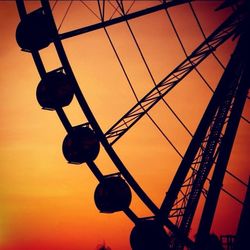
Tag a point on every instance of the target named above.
point(47, 204)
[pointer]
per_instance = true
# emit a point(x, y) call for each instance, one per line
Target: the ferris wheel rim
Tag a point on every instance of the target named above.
point(116, 160)
point(94, 124)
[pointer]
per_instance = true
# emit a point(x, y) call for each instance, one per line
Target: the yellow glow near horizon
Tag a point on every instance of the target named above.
point(47, 204)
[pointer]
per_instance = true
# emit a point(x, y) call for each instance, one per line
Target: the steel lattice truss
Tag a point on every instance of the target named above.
point(220, 35)
point(213, 140)
point(215, 121)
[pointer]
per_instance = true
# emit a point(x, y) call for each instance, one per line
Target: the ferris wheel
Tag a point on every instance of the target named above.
point(203, 166)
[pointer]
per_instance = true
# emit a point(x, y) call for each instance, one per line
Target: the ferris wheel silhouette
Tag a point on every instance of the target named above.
point(168, 226)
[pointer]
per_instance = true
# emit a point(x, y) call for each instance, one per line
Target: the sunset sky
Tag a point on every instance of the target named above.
point(48, 204)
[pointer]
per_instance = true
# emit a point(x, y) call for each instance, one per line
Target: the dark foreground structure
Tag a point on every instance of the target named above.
point(210, 146)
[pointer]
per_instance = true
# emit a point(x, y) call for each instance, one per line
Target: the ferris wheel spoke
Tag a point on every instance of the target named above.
point(211, 142)
point(116, 20)
point(203, 34)
point(227, 144)
point(184, 50)
point(218, 37)
point(66, 13)
point(82, 102)
point(223, 112)
point(94, 124)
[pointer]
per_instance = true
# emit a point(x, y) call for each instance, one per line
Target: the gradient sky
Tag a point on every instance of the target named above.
point(47, 204)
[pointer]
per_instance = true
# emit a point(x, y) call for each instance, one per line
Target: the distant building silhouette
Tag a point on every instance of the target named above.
point(228, 241)
point(212, 243)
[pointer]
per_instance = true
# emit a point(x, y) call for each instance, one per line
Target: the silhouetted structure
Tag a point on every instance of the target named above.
point(55, 90)
point(242, 240)
point(210, 146)
point(212, 242)
point(80, 145)
point(33, 32)
point(148, 235)
point(227, 241)
point(112, 195)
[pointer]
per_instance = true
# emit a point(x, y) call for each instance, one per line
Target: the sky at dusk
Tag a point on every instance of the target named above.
point(47, 203)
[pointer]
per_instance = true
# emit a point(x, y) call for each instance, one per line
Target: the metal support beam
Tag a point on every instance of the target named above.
point(198, 138)
point(243, 232)
point(226, 145)
point(219, 36)
point(94, 124)
point(103, 24)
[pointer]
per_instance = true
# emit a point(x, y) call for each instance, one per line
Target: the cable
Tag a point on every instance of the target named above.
point(130, 7)
point(124, 71)
point(150, 73)
point(245, 119)
point(203, 33)
point(184, 50)
point(153, 80)
point(213, 53)
point(65, 15)
point(90, 9)
point(135, 95)
point(237, 178)
point(157, 126)
point(116, 9)
point(53, 7)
